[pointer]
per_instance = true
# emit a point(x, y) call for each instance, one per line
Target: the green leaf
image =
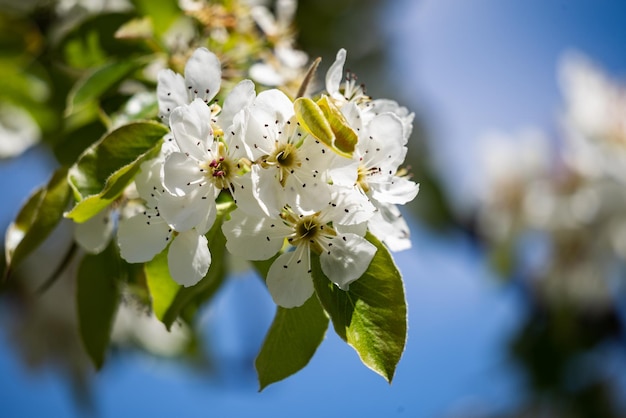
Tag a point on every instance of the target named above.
point(37, 218)
point(105, 169)
point(97, 297)
point(345, 139)
point(291, 341)
point(325, 122)
point(162, 13)
point(163, 289)
point(92, 42)
point(372, 316)
point(97, 82)
point(312, 119)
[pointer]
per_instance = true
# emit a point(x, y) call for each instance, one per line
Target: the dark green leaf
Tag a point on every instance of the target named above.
point(92, 42)
point(97, 301)
point(106, 168)
point(371, 317)
point(37, 218)
point(291, 341)
point(97, 82)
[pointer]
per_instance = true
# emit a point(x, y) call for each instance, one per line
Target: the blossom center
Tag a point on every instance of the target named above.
point(309, 230)
point(219, 170)
point(285, 158)
point(361, 179)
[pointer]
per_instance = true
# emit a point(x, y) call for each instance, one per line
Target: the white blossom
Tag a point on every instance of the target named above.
point(330, 232)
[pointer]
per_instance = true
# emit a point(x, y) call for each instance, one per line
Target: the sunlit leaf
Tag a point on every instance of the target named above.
point(95, 83)
point(37, 218)
point(107, 167)
point(312, 119)
point(345, 139)
point(291, 341)
point(372, 316)
point(97, 297)
point(162, 13)
point(163, 289)
point(326, 123)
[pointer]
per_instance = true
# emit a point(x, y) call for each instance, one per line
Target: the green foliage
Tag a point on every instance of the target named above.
point(291, 341)
point(97, 298)
point(94, 84)
point(162, 287)
point(93, 42)
point(326, 123)
point(106, 168)
point(372, 316)
point(161, 14)
point(37, 218)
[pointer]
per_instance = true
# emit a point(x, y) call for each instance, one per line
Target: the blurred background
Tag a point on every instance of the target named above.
point(515, 279)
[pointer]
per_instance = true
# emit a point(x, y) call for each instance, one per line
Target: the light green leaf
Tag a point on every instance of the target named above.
point(37, 218)
point(291, 341)
point(163, 288)
point(326, 123)
point(105, 169)
point(97, 82)
point(162, 13)
point(97, 297)
point(345, 138)
point(372, 316)
point(312, 119)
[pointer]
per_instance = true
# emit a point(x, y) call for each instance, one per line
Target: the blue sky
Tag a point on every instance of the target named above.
point(469, 67)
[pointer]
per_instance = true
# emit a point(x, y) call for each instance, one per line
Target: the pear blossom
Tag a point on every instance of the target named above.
point(202, 80)
point(352, 97)
point(147, 233)
point(202, 168)
point(380, 151)
point(291, 165)
point(351, 91)
point(335, 233)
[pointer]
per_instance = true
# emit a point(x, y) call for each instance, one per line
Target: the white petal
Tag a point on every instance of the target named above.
point(386, 105)
point(384, 147)
point(189, 258)
point(254, 237)
point(267, 190)
point(171, 93)
point(265, 74)
point(271, 106)
point(389, 226)
point(193, 210)
point(203, 74)
point(243, 195)
point(289, 279)
point(181, 174)
point(348, 206)
point(141, 238)
point(398, 190)
point(191, 127)
point(347, 259)
point(94, 234)
point(240, 97)
point(148, 179)
point(335, 74)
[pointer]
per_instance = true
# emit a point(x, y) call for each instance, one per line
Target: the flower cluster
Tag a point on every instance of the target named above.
point(287, 190)
point(570, 203)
